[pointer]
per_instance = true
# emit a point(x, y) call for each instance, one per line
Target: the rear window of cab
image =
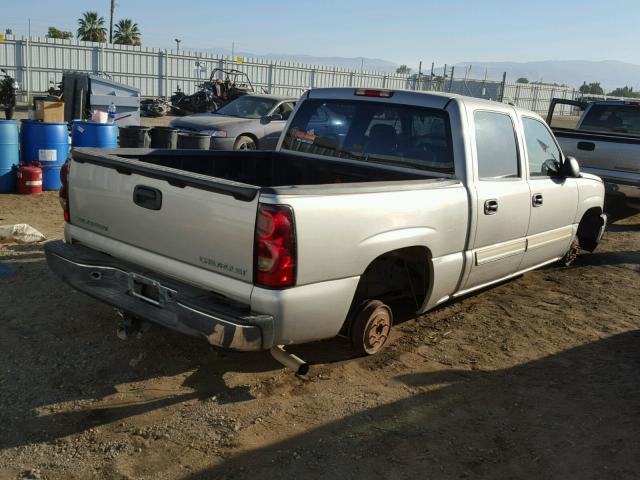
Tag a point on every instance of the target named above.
point(403, 135)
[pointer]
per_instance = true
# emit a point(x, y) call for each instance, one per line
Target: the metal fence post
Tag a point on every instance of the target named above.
point(166, 74)
point(453, 69)
point(504, 84)
point(553, 91)
point(270, 78)
point(536, 92)
point(28, 60)
point(312, 78)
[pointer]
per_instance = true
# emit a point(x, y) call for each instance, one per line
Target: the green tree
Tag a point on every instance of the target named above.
point(53, 32)
point(403, 70)
point(91, 28)
point(625, 92)
point(522, 80)
point(593, 88)
point(127, 33)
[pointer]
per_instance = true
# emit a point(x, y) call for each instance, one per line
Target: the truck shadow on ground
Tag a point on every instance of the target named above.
point(619, 208)
point(623, 227)
point(574, 414)
point(608, 258)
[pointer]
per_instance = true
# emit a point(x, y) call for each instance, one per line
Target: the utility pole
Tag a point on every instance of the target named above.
point(177, 44)
point(233, 51)
point(418, 84)
point(361, 64)
point(113, 9)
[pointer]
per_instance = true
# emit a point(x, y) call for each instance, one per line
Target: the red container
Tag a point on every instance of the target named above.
point(29, 179)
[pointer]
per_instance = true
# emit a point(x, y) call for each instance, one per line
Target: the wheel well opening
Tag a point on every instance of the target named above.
point(399, 278)
point(588, 229)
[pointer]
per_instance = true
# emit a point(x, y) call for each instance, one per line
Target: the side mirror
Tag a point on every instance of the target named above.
point(570, 167)
point(270, 118)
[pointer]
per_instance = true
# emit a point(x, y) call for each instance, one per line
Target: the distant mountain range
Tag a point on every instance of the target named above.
point(355, 63)
point(610, 73)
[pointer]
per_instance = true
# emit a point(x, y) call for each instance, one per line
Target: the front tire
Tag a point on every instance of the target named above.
point(371, 328)
point(245, 143)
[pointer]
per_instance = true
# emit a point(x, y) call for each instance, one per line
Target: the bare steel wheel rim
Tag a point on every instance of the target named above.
point(377, 332)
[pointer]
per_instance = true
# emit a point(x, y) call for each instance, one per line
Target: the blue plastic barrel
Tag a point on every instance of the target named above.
point(97, 135)
point(51, 177)
point(9, 155)
point(47, 143)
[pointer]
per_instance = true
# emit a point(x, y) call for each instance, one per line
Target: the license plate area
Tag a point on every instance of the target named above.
point(149, 290)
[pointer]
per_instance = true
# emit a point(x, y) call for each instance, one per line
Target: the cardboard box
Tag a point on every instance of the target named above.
point(49, 111)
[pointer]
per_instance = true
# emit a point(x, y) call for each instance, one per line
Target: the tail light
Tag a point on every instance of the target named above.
point(275, 247)
point(366, 92)
point(64, 190)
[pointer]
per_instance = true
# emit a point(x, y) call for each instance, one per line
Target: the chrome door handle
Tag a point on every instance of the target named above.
point(537, 200)
point(491, 206)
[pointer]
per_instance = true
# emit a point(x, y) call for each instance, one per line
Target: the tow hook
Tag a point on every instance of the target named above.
point(130, 326)
point(290, 360)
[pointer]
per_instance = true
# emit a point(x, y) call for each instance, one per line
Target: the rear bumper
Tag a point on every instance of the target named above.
point(168, 302)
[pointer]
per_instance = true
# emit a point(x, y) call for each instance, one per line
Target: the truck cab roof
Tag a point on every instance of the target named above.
point(427, 99)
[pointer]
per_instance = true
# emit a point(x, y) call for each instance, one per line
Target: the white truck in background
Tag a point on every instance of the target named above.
point(605, 140)
point(375, 204)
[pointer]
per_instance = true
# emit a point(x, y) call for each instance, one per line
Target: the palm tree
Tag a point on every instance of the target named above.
point(91, 28)
point(127, 33)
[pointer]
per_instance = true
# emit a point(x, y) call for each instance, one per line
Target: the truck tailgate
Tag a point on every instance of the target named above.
point(165, 211)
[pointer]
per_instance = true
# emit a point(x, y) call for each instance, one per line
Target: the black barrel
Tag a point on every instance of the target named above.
point(194, 141)
point(164, 137)
point(133, 136)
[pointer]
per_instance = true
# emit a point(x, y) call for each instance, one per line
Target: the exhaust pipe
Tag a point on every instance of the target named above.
point(289, 360)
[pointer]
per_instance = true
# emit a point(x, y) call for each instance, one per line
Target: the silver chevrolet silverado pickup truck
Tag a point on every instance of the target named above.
point(375, 203)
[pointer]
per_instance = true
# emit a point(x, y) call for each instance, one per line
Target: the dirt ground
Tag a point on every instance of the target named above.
point(534, 379)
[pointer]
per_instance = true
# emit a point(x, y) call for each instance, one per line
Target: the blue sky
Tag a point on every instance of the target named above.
point(404, 31)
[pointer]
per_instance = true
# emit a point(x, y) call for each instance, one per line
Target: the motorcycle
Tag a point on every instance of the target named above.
point(201, 101)
point(8, 89)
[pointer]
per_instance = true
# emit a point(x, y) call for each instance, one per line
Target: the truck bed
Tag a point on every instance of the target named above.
point(249, 168)
point(611, 156)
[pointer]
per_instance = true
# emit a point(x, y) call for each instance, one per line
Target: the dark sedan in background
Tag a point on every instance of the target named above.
point(248, 123)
